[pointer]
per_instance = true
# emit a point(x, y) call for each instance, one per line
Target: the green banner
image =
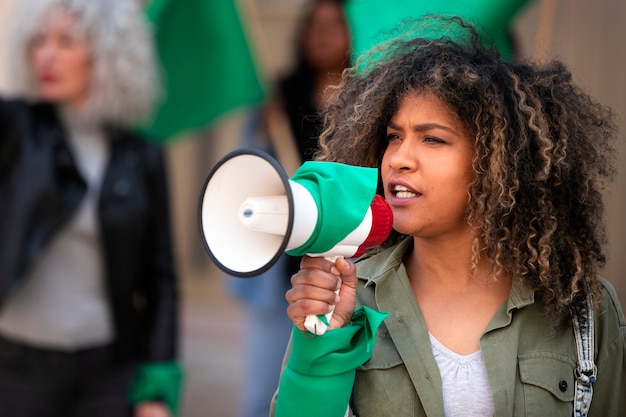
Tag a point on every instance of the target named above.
point(208, 68)
point(371, 20)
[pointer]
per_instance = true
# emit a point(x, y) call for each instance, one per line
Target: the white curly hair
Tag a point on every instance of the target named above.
point(124, 81)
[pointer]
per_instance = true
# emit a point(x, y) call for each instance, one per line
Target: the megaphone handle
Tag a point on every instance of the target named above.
point(317, 324)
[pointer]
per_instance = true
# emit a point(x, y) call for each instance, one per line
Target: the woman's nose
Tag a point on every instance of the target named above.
point(403, 157)
point(46, 50)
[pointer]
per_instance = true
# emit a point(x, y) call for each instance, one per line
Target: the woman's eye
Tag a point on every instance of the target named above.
point(392, 137)
point(37, 40)
point(67, 41)
point(431, 139)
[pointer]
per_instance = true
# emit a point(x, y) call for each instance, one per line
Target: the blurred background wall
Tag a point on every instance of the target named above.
point(588, 36)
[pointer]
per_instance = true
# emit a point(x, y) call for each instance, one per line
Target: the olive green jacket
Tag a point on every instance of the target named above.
point(530, 364)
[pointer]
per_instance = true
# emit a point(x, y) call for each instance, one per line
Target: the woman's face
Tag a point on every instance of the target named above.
point(326, 40)
point(427, 168)
point(61, 62)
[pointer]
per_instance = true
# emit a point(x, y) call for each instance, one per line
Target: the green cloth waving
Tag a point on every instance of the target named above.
point(343, 194)
point(318, 378)
point(371, 20)
point(208, 64)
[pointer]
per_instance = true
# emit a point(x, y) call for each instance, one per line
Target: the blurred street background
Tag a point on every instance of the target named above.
point(589, 36)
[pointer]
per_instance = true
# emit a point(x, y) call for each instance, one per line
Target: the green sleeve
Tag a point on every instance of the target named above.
point(320, 370)
point(159, 381)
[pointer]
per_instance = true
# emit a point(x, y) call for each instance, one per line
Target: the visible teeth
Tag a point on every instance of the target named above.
point(403, 192)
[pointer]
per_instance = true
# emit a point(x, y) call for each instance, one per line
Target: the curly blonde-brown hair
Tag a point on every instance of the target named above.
point(543, 153)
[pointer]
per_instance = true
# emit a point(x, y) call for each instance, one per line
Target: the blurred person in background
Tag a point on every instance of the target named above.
point(88, 295)
point(262, 297)
point(321, 53)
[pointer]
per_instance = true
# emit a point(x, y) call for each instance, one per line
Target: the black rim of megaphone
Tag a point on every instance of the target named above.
point(284, 178)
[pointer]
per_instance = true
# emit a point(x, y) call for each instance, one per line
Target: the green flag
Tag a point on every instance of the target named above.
point(207, 63)
point(370, 20)
point(319, 374)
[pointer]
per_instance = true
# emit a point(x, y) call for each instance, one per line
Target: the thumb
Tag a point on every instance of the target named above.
point(347, 293)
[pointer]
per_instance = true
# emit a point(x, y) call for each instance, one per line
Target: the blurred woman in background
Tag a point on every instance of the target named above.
point(288, 127)
point(88, 297)
point(322, 53)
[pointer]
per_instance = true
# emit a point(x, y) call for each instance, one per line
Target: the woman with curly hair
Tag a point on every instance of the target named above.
point(494, 172)
point(88, 298)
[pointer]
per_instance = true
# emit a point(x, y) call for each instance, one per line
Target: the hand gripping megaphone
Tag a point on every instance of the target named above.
point(251, 212)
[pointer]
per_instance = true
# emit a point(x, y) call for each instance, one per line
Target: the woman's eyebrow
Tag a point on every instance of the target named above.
point(422, 127)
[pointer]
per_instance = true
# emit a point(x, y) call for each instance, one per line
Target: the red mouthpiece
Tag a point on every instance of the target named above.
point(382, 223)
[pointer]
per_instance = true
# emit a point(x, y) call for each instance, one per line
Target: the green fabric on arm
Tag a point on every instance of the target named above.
point(319, 375)
point(343, 194)
point(157, 381)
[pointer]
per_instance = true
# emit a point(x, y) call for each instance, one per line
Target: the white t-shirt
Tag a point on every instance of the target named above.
point(466, 389)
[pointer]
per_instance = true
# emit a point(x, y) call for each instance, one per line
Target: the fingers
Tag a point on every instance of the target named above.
point(314, 290)
point(347, 271)
point(346, 304)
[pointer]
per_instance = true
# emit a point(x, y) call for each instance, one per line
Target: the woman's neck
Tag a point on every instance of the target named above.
point(456, 301)
point(447, 264)
point(77, 118)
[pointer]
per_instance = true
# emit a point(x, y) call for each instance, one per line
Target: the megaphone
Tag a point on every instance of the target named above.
point(251, 213)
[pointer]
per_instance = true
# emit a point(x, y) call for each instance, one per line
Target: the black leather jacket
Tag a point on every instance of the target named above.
point(40, 189)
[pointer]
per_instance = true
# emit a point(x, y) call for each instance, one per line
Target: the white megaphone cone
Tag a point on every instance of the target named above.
point(250, 213)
